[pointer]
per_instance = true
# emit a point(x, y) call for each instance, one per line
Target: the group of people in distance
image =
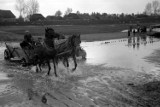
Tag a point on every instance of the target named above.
point(138, 29)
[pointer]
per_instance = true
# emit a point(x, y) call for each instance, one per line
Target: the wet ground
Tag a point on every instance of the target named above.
point(116, 73)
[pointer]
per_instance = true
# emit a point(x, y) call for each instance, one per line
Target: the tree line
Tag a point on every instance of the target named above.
point(27, 8)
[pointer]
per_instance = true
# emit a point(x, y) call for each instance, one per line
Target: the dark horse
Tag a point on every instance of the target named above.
point(45, 52)
point(48, 51)
point(67, 49)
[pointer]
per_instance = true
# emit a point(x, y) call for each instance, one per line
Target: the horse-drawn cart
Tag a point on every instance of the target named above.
point(14, 51)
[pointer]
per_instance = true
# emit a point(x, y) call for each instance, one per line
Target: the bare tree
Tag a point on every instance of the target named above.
point(32, 7)
point(152, 8)
point(20, 6)
point(148, 9)
point(155, 6)
point(68, 11)
point(58, 13)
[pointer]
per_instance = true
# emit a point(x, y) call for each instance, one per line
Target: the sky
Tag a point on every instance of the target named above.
point(49, 7)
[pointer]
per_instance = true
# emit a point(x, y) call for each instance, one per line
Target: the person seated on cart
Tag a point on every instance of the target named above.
point(28, 42)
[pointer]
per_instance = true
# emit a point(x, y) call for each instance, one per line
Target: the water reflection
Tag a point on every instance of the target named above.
point(127, 53)
point(136, 41)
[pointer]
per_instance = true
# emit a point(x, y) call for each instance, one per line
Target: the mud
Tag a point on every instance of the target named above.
point(117, 73)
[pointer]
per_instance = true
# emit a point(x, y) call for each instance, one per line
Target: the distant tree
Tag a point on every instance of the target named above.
point(152, 8)
point(148, 9)
point(133, 14)
point(33, 7)
point(58, 13)
point(68, 11)
point(78, 13)
point(155, 6)
point(104, 15)
point(85, 16)
point(20, 7)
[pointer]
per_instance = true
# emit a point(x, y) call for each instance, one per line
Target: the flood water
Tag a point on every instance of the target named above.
point(99, 81)
point(125, 53)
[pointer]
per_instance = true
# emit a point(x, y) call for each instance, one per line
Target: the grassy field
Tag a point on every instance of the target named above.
point(88, 32)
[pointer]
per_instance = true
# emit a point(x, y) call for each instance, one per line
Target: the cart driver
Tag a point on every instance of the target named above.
point(28, 42)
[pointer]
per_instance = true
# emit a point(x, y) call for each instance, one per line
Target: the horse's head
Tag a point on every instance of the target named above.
point(49, 33)
point(75, 40)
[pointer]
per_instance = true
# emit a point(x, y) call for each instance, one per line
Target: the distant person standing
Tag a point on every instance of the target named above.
point(128, 33)
point(138, 28)
point(130, 28)
point(134, 32)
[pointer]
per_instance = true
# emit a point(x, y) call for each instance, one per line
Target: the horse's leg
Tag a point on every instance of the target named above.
point(40, 67)
point(75, 62)
point(67, 64)
point(54, 63)
point(37, 68)
point(40, 64)
point(49, 67)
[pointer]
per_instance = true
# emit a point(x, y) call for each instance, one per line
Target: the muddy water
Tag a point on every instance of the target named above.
point(110, 77)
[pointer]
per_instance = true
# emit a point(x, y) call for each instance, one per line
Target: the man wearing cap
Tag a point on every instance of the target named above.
point(28, 42)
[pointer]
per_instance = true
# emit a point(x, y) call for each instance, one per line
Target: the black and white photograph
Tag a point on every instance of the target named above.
point(79, 53)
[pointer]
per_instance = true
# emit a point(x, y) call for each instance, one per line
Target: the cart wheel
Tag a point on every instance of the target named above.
point(7, 56)
point(23, 61)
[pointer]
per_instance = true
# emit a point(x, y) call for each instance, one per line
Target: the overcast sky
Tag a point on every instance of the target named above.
point(49, 7)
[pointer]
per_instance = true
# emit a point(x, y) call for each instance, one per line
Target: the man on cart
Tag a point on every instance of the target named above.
point(28, 42)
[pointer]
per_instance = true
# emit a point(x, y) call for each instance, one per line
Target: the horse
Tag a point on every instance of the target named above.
point(67, 49)
point(54, 35)
point(64, 50)
point(59, 36)
point(45, 52)
point(56, 52)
